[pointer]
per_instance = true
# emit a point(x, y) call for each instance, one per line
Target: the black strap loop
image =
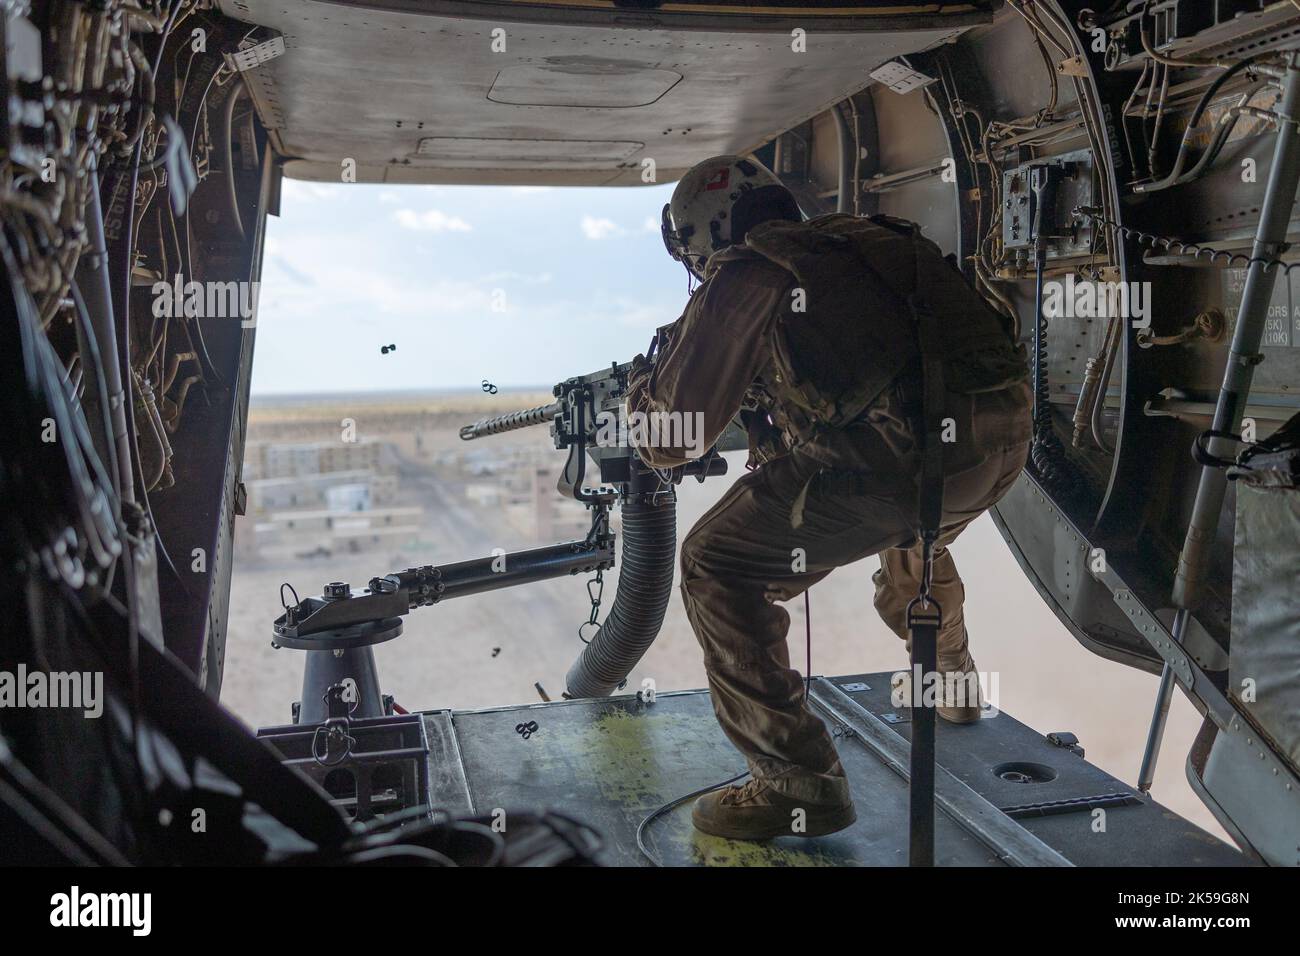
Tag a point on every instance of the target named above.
point(1202, 455)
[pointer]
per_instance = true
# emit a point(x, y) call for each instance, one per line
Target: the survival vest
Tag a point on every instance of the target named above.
point(852, 332)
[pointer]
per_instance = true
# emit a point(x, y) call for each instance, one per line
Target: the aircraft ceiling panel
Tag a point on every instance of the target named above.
point(427, 97)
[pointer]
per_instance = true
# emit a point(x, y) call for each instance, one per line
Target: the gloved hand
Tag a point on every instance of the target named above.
point(663, 338)
point(638, 377)
point(643, 364)
point(766, 441)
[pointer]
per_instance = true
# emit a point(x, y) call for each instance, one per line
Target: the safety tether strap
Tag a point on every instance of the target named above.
point(924, 616)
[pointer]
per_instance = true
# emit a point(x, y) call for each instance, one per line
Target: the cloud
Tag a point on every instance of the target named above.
point(594, 228)
point(432, 220)
point(652, 224)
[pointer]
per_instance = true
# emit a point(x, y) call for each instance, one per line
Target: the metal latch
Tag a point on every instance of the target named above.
point(1063, 738)
point(255, 56)
point(1074, 66)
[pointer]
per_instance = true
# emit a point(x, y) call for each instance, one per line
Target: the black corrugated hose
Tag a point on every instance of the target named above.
point(645, 583)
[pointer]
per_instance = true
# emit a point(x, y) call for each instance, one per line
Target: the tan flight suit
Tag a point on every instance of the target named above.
point(745, 554)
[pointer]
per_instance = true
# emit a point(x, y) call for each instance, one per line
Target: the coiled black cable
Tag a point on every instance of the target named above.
point(1181, 248)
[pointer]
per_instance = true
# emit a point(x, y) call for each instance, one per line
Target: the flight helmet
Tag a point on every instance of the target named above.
point(716, 203)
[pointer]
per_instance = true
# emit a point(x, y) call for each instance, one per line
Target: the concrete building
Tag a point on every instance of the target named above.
point(334, 531)
point(296, 459)
point(318, 491)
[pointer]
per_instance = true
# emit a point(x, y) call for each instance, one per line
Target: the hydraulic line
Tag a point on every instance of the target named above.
point(1128, 105)
point(1176, 175)
point(845, 143)
point(97, 290)
point(89, 341)
point(227, 133)
point(1153, 149)
point(1114, 335)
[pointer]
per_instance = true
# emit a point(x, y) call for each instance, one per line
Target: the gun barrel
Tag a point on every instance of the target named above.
point(509, 422)
point(433, 584)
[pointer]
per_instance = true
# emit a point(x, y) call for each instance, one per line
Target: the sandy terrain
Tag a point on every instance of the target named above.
point(448, 655)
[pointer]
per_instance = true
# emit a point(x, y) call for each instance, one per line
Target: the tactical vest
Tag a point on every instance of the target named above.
point(853, 334)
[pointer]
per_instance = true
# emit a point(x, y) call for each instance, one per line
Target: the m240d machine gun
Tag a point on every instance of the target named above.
point(588, 421)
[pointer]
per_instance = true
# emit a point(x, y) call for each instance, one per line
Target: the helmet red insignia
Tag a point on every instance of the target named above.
point(719, 179)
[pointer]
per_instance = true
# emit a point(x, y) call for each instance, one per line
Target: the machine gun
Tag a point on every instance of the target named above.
point(588, 420)
point(339, 628)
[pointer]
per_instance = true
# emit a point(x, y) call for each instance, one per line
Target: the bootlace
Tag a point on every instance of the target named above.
point(747, 791)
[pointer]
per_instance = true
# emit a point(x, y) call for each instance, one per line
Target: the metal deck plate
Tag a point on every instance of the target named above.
point(610, 762)
point(1140, 833)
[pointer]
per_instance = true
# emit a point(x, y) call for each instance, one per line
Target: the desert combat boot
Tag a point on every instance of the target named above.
point(757, 811)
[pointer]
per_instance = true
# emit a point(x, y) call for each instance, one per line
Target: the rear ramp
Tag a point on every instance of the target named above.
point(1007, 795)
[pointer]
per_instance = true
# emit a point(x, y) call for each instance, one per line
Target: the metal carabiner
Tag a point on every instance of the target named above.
point(928, 540)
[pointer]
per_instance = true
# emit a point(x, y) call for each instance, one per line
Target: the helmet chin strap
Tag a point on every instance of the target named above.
point(691, 279)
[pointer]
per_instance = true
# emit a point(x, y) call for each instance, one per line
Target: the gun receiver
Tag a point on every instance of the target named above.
point(586, 421)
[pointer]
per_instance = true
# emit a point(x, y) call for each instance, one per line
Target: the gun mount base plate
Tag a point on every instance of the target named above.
point(356, 635)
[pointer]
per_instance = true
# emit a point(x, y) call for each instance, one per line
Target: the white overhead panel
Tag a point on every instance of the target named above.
point(420, 91)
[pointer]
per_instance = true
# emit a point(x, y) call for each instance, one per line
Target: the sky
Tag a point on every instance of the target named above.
point(522, 286)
